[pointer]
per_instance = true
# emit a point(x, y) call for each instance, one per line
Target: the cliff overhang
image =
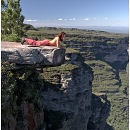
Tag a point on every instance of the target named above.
point(31, 55)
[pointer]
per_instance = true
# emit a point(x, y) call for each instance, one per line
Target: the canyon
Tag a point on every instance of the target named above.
point(52, 89)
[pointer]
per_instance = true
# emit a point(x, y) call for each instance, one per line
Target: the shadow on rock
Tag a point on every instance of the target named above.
point(100, 112)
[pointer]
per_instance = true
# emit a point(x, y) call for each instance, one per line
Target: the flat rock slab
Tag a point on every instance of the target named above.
point(25, 54)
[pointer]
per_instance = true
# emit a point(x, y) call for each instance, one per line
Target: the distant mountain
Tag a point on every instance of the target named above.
point(29, 27)
point(114, 29)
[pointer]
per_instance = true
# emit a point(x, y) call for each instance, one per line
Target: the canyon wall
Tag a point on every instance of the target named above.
point(68, 97)
point(56, 96)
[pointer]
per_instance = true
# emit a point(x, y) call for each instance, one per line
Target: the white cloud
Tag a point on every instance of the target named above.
point(30, 20)
point(106, 18)
point(86, 19)
point(60, 19)
point(73, 19)
point(94, 18)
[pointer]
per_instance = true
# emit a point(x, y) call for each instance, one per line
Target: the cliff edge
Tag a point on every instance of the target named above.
point(57, 98)
point(25, 54)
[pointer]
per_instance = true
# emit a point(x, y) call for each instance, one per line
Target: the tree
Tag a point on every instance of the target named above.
point(11, 18)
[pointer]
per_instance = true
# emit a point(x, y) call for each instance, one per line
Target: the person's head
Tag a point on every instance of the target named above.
point(61, 36)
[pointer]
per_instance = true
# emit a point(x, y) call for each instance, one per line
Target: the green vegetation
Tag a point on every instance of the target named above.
point(11, 20)
point(52, 75)
point(104, 77)
point(62, 69)
point(19, 86)
point(71, 50)
point(106, 81)
point(77, 35)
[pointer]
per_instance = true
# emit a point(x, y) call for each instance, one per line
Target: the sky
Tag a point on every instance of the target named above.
point(55, 13)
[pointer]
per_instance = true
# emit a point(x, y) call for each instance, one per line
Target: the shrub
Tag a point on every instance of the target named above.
point(18, 86)
point(11, 38)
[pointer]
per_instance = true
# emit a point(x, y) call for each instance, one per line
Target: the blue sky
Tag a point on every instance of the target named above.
point(76, 12)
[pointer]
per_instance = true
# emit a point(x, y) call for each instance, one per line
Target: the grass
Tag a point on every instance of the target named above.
point(53, 74)
point(106, 81)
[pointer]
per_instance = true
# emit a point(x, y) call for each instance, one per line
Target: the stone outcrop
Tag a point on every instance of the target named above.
point(100, 112)
point(119, 54)
point(65, 89)
point(31, 55)
point(68, 97)
point(27, 103)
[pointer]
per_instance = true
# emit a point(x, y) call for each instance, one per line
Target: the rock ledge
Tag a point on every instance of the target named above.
point(25, 54)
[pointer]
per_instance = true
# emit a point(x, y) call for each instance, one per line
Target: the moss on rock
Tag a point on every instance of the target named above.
point(53, 74)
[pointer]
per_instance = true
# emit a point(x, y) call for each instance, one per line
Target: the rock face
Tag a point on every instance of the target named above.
point(68, 102)
point(22, 105)
point(25, 54)
point(120, 54)
point(100, 112)
point(66, 89)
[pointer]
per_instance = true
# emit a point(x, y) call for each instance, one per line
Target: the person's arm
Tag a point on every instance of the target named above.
point(58, 42)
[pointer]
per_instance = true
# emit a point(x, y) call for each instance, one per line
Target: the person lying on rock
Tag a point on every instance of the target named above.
point(55, 42)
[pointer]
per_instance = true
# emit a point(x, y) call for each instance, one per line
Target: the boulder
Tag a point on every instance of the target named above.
point(31, 55)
